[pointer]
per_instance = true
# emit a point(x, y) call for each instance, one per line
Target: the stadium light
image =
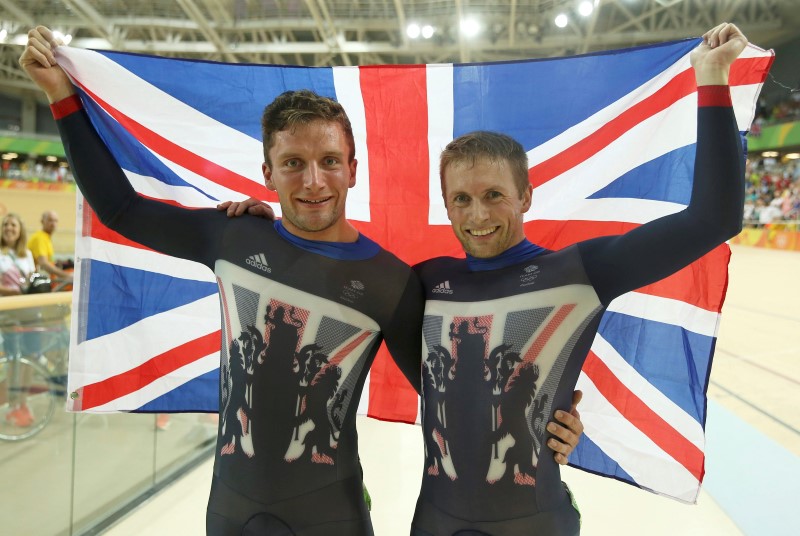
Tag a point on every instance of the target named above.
point(470, 27)
point(427, 31)
point(585, 8)
point(3, 34)
point(561, 20)
point(792, 156)
point(412, 30)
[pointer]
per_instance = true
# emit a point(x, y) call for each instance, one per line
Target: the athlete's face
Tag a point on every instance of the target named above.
point(311, 173)
point(484, 206)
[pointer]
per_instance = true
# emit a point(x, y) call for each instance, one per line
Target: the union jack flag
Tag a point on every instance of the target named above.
point(610, 139)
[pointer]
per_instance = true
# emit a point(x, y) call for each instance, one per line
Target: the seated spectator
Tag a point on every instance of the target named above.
point(16, 260)
point(41, 245)
point(768, 214)
point(16, 266)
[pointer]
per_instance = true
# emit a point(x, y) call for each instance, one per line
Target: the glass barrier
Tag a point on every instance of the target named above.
point(67, 473)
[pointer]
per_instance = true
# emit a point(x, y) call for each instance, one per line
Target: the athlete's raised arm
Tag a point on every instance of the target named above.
point(158, 225)
point(619, 264)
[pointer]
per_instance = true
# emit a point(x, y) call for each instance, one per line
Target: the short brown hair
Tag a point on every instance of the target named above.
point(492, 146)
point(21, 247)
point(301, 107)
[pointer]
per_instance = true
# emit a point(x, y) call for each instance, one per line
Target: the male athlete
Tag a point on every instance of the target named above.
point(504, 346)
point(296, 346)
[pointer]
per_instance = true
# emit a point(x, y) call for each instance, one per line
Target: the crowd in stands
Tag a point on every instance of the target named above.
point(783, 111)
point(772, 194)
point(35, 170)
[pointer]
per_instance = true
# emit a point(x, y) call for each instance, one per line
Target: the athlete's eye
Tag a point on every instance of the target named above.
point(461, 199)
point(493, 194)
point(293, 163)
point(331, 161)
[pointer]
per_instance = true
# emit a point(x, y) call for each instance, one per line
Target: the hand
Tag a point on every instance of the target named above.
point(251, 205)
point(39, 62)
point(567, 436)
point(713, 57)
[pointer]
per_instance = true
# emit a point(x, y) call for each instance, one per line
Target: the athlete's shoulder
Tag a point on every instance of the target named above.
point(384, 257)
point(439, 264)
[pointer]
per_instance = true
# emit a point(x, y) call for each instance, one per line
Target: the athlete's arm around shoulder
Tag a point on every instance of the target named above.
point(619, 264)
point(190, 234)
point(403, 333)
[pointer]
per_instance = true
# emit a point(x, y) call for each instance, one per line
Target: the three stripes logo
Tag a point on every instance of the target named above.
point(442, 288)
point(259, 261)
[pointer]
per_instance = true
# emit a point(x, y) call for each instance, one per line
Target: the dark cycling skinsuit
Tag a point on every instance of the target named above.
point(504, 340)
point(301, 323)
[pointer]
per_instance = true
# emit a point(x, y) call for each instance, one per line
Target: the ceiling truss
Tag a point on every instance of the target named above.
point(350, 32)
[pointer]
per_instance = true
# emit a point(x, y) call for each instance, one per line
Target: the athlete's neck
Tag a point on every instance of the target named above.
point(524, 251)
point(360, 249)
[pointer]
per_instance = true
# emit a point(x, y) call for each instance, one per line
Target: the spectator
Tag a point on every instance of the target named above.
point(41, 245)
point(16, 260)
point(16, 265)
point(768, 214)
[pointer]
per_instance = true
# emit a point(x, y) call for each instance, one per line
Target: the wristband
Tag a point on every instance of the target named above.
point(714, 96)
point(66, 106)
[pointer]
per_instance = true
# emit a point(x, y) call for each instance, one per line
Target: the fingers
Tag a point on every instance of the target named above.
point(241, 208)
point(577, 396)
point(730, 32)
point(232, 208)
point(721, 34)
point(249, 206)
point(263, 210)
point(561, 449)
point(568, 429)
point(39, 49)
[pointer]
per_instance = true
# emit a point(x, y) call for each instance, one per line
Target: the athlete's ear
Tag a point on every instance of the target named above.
point(527, 198)
point(353, 165)
point(267, 172)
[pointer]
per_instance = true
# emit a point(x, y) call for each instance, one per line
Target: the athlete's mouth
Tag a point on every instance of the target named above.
point(314, 201)
point(482, 232)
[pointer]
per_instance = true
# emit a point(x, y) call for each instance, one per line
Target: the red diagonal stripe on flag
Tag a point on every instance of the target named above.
point(744, 71)
point(681, 85)
point(183, 157)
point(103, 392)
point(643, 417)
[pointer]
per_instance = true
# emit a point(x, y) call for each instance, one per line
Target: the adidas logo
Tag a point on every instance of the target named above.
point(531, 268)
point(259, 261)
point(442, 288)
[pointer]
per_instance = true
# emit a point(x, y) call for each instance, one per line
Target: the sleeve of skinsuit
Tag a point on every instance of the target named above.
point(619, 264)
point(403, 335)
point(176, 231)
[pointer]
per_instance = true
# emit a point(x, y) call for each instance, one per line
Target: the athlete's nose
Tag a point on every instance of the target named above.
point(312, 178)
point(478, 212)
